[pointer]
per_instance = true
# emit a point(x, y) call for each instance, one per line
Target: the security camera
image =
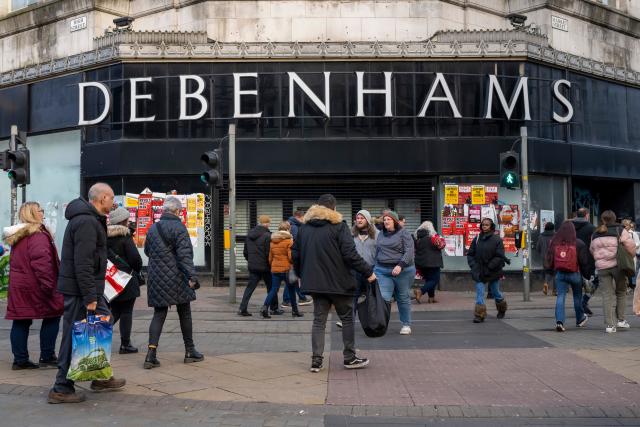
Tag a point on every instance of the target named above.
point(517, 20)
point(123, 22)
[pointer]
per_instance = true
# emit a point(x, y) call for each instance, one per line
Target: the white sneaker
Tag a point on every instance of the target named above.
point(623, 324)
point(339, 324)
point(406, 330)
point(610, 329)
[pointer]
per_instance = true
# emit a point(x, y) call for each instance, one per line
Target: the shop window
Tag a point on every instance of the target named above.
point(548, 204)
point(464, 201)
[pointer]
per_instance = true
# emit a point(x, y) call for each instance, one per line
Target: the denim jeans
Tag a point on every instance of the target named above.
point(254, 278)
point(494, 287)
point(285, 294)
point(431, 281)
point(276, 280)
point(20, 336)
point(399, 287)
point(563, 282)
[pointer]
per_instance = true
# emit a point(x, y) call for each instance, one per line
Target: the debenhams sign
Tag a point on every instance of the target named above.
point(439, 85)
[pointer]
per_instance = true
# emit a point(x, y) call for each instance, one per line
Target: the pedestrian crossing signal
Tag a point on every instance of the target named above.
point(510, 170)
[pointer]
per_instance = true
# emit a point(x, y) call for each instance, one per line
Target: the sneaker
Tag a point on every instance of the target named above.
point(586, 309)
point(356, 363)
point(19, 366)
point(559, 327)
point(305, 301)
point(339, 324)
point(277, 312)
point(583, 322)
point(244, 313)
point(610, 329)
point(623, 324)
point(286, 304)
point(108, 385)
point(55, 397)
point(316, 366)
point(406, 330)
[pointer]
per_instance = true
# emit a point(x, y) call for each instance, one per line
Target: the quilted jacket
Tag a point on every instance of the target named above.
point(280, 252)
point(604, 246)
point(170, 265)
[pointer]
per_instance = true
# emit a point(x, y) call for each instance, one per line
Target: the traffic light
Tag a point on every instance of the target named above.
point(510, 169)
point(213, 174)
point(18, 161)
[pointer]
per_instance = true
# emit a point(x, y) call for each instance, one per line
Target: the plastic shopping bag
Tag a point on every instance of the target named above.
point(114, 281)
point(91, 349)
point(374, 312)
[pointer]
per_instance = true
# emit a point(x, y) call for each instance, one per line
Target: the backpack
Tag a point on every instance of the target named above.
point(565, 258)
point(438, 241)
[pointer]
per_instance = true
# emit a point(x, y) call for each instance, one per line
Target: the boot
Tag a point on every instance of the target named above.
point(296, 313)
point(127, 348)
point(585, 305)
point(501, 306)
point(480, 313)
point(192, 355)
point(151, 361)
point(265, 312)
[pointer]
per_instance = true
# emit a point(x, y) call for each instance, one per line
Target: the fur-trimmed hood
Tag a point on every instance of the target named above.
point(117, 231)
point(280, 235)
point(322, 213)
point(13, 234)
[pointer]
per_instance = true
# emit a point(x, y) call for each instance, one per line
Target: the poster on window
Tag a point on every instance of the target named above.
point(508, 225)
point(454, 245)
point(450, 194)
point(545, 217)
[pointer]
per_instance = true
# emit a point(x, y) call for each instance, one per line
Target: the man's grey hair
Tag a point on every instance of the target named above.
point(171, 204)
point(97, 190)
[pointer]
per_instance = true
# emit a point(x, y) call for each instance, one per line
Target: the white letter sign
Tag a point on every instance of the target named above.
point(237, 93)
point(386, 92)
point(195, 95)
point(107, 103)
point(323, 106)
point(135, 97)
point(508, 108)
point(445, 87)
point(564, 101)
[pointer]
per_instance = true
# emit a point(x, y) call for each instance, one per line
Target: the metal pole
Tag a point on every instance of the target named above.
point(232, 213)
point(526, 208)
point(14, 187)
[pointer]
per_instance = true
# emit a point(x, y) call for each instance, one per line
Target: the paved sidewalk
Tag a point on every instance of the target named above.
point(256, 370)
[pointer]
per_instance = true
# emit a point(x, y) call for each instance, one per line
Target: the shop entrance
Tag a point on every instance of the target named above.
point(599, 195)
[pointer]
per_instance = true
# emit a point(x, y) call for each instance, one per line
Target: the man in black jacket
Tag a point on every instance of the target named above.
point(256, 252)
point(486, 259)
point(81, 280)
point(323, 256)
point(584, 231)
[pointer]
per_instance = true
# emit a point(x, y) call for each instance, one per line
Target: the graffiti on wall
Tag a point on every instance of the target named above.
point(585, 198)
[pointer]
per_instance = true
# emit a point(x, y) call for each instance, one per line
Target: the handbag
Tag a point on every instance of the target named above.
point(115, 281)
point(624, 260)
point(374, 312)
point(292, 277)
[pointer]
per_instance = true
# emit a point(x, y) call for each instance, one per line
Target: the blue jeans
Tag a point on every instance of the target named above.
point(431, 280)
point(399, 287)
point(276, 280)
point(285, 294)
point(495, 291)
point(563, 282)
point(20, 335)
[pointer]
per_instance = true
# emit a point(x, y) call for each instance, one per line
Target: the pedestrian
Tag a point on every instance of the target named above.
point(486, 259)
point(281, 262)
point(568, 258)
point(604, 247)
point(402, 221)
point(364, 237)
point(323, 255)
point(33, 271)
point(256, 252)
point(428, 261)
point(630, 227)
point(542, 246)
point(295, 221)
point(172, 279)
point(584, 232)
point(395, 267)
point(123, 253)
point(81, 280)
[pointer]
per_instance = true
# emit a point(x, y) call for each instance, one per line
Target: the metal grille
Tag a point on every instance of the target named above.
point(411, 196)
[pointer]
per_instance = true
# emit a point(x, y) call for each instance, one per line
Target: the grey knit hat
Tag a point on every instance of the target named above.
point(117, 216)
point(365, 213)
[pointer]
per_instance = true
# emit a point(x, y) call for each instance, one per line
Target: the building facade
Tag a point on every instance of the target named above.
point(400, 104)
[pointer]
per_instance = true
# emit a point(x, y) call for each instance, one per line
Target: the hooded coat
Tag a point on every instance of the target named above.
point(280, 252)
point(604, 246)
point(324, 253)
point(170, 263)
point(84, 252)
point(427, 255)
point(256, 249)
point(542, 245)
point(486, 257)
point(120, 243)
point(33, 272)
point(295, 225)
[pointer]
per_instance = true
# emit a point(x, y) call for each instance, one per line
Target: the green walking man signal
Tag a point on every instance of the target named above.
point(510, 169)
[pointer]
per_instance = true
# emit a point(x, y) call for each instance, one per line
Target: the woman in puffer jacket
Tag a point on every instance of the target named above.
point(604, 247)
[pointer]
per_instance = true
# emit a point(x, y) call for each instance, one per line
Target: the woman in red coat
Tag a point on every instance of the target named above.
point(33, 276)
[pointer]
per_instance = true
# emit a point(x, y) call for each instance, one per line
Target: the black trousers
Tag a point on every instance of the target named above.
point(254, 279)
point(123, 311)
point(344, 308)
point(186, 324)
point(74, 310)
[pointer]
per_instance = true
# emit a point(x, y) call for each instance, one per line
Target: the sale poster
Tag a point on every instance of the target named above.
point(477, 195)
point(451, 194)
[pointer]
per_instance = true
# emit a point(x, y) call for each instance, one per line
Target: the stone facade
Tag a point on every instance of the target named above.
point(41, 33)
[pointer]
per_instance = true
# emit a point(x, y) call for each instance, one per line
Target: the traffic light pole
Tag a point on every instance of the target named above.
point(526, 208)
point(232, 213)
point(13, 145)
